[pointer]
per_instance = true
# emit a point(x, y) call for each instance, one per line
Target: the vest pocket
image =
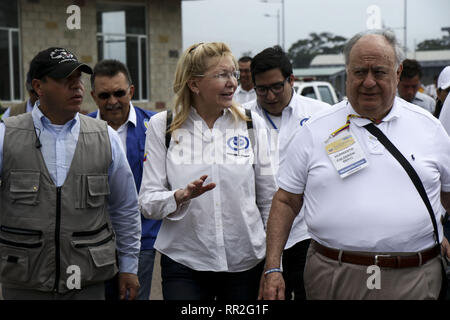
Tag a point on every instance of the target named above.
point(96, 259)
point(92, 191)
point(24, 187)
point(15, 261)
point(98, 189)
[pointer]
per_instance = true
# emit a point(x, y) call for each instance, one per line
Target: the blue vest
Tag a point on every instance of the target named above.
point(135, 156)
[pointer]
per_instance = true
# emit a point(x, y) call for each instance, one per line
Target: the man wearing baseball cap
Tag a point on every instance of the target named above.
point(67, 194)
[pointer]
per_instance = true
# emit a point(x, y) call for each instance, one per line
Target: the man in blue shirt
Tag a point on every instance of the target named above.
point(112, 91)
point(66, 184)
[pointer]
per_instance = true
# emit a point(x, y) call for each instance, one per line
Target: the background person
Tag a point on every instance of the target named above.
point(284, 111)
point(27, 106)
point(213, 200)
point(245, 91)
point(65, 187)
point(442, 90)
point(409, 85)
point(112, 91)
point(372, 215)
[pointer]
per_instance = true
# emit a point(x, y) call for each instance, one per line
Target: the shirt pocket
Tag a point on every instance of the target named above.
point(92, 191)
point(24, 187)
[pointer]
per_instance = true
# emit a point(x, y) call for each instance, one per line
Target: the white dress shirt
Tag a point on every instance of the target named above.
point(123, 129)
point(293, 116)
point(425, 101)
point(378, 208)
point(224, 228)
point(243, 96)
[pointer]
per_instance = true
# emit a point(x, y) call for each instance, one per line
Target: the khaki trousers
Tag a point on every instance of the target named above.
point(327, 279)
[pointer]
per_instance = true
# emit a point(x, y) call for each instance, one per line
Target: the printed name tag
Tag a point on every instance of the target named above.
point(346, 154)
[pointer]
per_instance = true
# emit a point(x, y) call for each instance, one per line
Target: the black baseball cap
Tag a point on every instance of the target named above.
point(56, 63)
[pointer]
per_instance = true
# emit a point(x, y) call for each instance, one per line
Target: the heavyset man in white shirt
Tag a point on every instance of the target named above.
point(283, 111)
point(373, 218)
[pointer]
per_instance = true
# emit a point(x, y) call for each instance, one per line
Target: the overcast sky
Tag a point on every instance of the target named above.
point(242, 24)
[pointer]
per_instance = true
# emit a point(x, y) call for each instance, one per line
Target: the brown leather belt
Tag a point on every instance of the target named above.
point(381, 260)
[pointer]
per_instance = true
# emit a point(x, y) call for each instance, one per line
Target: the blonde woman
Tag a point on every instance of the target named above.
point(211, 187)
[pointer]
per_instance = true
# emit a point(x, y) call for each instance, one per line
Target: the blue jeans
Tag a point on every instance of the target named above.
point(182, 283)
point(145, 273)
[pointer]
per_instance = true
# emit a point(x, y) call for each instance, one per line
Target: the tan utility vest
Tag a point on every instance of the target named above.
point(18, 109)
point(55, 238)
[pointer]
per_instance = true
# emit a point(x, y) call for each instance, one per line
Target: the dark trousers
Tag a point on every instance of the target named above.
point(182, 283)
point(447, 235)
point(294, 260)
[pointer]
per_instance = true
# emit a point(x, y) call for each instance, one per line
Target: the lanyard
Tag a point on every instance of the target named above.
point(347, 123)
point(270, 120)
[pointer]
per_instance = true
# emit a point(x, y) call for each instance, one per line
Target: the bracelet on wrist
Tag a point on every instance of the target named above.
point(272, 270)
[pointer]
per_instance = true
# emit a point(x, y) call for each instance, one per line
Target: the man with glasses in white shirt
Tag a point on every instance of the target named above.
point(283, 111)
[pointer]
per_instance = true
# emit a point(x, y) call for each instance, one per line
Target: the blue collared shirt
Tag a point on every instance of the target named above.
point(58, 147)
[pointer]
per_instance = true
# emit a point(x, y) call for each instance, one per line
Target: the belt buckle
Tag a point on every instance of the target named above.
point(380, 255)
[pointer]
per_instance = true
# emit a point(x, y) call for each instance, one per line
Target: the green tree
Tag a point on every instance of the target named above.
point(304, 50)
point(434, 44)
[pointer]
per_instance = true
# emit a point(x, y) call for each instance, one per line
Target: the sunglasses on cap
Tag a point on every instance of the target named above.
point(118, 94)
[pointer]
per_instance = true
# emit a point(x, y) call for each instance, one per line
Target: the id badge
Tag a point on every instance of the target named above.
point(346, 154)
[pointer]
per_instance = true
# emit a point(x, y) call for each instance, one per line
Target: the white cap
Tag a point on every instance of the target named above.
point(443, 81)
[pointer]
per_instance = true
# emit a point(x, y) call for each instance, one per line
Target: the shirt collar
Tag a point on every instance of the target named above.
point(193, 113)
point(393, 114)
point(131, 116)
point(41, 122)
point(289, 108)
point(240, 89)
point(418, 97)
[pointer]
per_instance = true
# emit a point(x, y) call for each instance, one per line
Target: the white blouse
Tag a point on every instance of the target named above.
point(224, 228)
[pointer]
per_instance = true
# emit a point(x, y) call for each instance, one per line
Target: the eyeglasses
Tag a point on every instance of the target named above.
point(224, 76)
point(276, 88)
point(118, 94)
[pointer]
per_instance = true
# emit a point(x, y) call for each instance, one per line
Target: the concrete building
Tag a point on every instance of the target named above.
point(144, 34)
